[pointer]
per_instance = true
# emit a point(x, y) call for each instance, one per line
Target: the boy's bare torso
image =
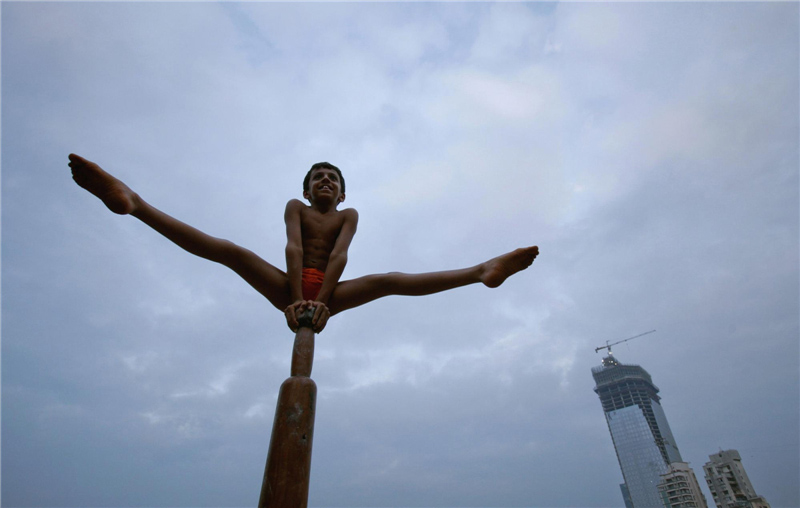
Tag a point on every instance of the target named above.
point(319, 233)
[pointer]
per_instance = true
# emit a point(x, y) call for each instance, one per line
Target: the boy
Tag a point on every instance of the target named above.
point(318, 237)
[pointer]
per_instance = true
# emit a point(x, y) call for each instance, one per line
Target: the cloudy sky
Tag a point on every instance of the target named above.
point(650, 150)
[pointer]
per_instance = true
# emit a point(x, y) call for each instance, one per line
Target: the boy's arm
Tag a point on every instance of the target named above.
point(294, 249)
point(338, 257)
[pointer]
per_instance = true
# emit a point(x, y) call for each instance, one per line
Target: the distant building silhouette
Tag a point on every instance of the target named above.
point(639, 429)
point(679, 487)
point(728, 482)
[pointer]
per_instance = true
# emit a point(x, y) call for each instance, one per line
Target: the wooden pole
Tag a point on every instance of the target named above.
point(288, 468)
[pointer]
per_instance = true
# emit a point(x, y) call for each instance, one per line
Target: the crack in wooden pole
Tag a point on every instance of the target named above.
point(288, 469)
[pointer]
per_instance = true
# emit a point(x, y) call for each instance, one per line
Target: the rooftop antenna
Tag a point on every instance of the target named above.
point(608, 346)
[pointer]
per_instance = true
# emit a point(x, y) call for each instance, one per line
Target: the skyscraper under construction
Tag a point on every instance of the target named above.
point(639, 429)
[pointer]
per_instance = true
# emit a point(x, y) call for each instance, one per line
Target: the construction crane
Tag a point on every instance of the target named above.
point(608, 346)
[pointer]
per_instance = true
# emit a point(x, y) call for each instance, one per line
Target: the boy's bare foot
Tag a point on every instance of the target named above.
point(117, 196)
point(497, 270)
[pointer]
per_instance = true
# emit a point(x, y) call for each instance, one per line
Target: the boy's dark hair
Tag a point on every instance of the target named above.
point(322, 165)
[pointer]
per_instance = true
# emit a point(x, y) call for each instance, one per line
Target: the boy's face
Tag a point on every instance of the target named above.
point(324, 184)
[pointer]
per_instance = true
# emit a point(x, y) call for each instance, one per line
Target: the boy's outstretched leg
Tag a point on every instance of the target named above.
point(119, 198)
point(492, 273)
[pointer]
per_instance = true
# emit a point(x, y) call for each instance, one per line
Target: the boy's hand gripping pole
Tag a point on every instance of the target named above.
point(288, 468)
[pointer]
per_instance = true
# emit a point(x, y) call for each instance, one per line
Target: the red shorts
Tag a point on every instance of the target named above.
point(312, 283)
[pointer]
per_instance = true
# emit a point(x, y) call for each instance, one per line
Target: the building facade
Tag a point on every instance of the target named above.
point(728, 482)
point(642, 438)
point(679, 487)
